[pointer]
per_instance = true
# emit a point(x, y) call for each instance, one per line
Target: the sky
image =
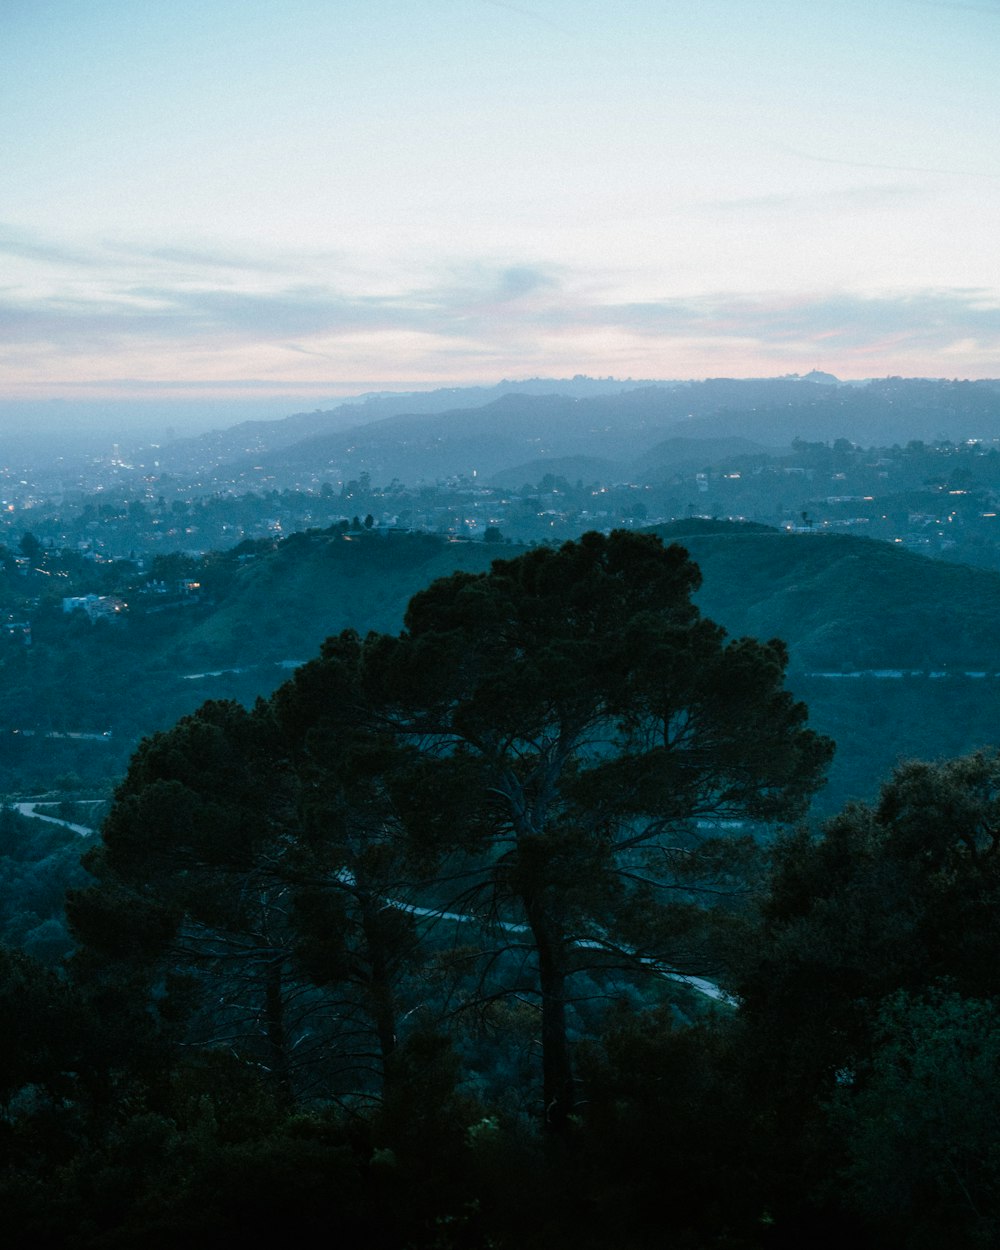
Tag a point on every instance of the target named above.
point(264, 202)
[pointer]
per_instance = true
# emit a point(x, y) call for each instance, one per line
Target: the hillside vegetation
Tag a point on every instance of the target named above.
point(843, 605)
point(842, 602)
point(285, 602)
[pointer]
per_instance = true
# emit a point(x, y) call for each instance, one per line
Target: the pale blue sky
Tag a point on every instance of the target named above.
point(310, 198)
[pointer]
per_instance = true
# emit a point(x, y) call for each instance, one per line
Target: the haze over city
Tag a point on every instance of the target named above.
point(213, 212)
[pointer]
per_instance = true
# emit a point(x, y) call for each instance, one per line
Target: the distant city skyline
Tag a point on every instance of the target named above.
point(251, 202)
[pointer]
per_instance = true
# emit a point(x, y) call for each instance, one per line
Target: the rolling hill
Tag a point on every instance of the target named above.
point(882, 642)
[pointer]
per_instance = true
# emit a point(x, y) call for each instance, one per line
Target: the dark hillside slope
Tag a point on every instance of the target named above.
point(585, 469)
point(282, 605)
point(926, 632)
point(675, 455)
point(842, 602)
point(102, 688)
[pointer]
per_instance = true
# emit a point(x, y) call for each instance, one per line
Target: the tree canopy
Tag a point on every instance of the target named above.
point(579, 728)
point(329, 938)
point(560, 754)
point(868, 1004)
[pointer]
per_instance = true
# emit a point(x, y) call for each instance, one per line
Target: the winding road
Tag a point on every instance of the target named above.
point(28, 807)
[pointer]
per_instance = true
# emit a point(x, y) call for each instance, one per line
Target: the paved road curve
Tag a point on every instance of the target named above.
point(28, 808)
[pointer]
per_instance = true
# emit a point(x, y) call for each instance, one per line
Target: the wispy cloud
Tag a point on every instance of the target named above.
point(116, 256)
point(474, 299)
point(993, 174)
point(927, 319)
point(206, 258)
point(846, 199)
point(498, 317)
point(24, 246)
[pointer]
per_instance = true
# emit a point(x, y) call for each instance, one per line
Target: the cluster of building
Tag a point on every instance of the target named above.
point(96, 607)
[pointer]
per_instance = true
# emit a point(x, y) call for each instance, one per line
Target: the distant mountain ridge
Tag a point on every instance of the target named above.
point(250, 437)
point(412, 439)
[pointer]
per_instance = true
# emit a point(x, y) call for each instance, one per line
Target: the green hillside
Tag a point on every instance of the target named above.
point(844, 606)
point(881, 641)
point(77, 702)
point(282, 605)
point(842, 602)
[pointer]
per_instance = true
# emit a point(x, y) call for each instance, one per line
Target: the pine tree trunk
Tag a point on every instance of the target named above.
point(380, 988)
point(557, 1070)
point(274, 1024)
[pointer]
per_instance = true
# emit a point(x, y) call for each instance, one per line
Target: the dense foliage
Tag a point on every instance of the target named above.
point(398, 955)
